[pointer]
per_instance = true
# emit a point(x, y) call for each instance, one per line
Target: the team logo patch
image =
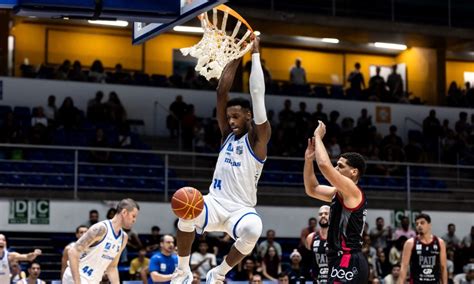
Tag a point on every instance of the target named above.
point(418, 247)
point(239, 149)
point(108, 245)
point(435, 247)
point(230, 148)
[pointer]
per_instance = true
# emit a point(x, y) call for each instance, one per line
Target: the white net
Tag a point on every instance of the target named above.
point(217, 48)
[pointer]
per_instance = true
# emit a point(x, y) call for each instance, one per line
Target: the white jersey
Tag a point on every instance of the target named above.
point(237, 172)
point(4, 268)
point(94, 262)
point(38, 281)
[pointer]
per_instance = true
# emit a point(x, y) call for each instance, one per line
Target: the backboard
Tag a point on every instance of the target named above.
point(143, 31)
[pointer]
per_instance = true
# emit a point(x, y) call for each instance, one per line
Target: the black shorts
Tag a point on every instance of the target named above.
point(348, 268)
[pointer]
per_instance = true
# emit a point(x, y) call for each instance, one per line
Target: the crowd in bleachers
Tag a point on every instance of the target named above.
point(378, 89)
point(436, 142)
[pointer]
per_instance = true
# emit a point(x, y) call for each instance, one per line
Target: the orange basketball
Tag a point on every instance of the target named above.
point(187, 203)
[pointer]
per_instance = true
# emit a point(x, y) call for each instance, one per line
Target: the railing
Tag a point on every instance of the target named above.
point(73, 169)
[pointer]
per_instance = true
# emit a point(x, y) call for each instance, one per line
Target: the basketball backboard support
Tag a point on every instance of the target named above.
point(189, 9)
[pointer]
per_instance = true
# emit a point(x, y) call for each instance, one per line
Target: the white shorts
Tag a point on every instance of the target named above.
point(67, 278)
point(217, 218)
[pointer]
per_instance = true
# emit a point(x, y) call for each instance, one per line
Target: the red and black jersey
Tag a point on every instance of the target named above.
point(320, 269)
point(425, 264)
point(346, 225)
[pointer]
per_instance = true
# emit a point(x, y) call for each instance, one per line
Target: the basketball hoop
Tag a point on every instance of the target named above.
point(217, 48)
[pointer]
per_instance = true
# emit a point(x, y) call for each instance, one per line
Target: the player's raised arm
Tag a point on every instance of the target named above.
point(14, 256)
point(92, 236)
point(223, 89)
point(343, 184)
point(311, 184)
point(406, 255)
point(261, 132)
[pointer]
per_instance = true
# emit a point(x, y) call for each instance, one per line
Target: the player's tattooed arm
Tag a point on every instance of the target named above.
point(93, 235)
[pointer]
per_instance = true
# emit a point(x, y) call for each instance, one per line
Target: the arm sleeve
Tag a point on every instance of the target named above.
point(257, 90)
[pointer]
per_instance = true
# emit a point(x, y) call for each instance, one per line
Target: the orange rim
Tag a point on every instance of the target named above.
point(233, 13)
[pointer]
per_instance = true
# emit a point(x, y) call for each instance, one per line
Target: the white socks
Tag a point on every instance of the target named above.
point(223, 268)
point(183, 263)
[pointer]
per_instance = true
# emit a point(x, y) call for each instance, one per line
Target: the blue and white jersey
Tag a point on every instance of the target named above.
point(94, 262)
point(4, 267)
point(237, 172)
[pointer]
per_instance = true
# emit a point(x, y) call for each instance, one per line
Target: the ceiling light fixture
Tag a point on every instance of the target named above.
point(109, 23)
point(188, 29)
point(330, 40)
point(388, 45)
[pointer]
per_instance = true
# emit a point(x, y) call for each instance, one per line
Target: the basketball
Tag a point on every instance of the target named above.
point(187, 203)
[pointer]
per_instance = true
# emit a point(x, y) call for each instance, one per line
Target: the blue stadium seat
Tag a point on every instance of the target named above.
point(22, 112)
point(35, 180)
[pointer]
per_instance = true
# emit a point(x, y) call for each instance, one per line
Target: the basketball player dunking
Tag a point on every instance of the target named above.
point(425, 254)
point(347, 264)
point(98, 250)
point(317, 243)
point(229, 206)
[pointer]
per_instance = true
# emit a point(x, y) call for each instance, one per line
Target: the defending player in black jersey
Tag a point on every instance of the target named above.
point(347, 264)
point(317, 243)
point(426, 255)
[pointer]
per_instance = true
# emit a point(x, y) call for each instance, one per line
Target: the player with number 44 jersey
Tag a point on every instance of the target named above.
point(98, 251)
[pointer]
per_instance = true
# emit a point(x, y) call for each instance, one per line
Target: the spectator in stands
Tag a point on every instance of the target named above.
point(450, 265)
point(404, 229)
point(431, 131)
point(50, 110)
point(153, 242)
point(267, 76)
point(382, 265)
point(368, 250)
point(332, 128)
point(357, 82)
point(469, 95)
point(256, 279)
point(196, 277)
point(467, 277)
point(333, 148)
point(10, 131)
point(134, 243)
point(452, 241)
point(63, 70)
point(93, 218)
point(392, 139)
point(245, 269)
point(392, 278)
point(100, 141)
point(270, 241)
point(312, 222)
point(271, 264)
point(95, 108)
point(454, 95)
point(138, 264)
point(395, 85)
point(298, 74)
point(97, 74)
point(163, 263)
point(188, 124)
point(377, 86)
point(462, 126)
point(287, 125)
point(38, 117)
point(39, 131)
point(296, 273)
point(303, 122)
point(68, 115)
point(111, 213)
point(283, 278)
point(319, 115)
point(178, 109)
point(202, 260)
point(467, 240)
point(80, 230)
point(414, 152)
point(76, 73)
point(395, 255)
point(115, 110)
point(16, 273)
point(380, 234)
point(34, 271)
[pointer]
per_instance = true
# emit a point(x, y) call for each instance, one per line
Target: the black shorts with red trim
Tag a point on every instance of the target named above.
point(348, 268)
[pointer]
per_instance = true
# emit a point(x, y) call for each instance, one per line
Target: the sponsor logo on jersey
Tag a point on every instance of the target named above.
point(435, 247)
point(418, 247)
point(108, 257)
point(230, 148)
point(107, 246)
point(239, 149)
point(163, 267)
point(427, 271)
point(342, 274)
point(232, 163)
